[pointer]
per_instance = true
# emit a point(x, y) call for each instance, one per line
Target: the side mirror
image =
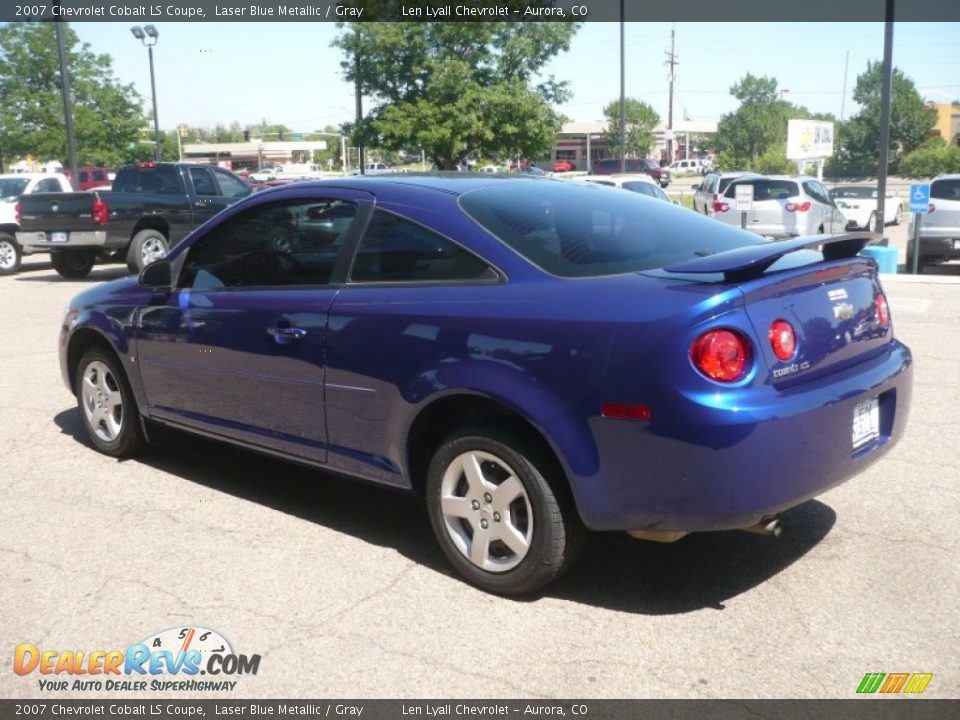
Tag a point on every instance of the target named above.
point(157, 275)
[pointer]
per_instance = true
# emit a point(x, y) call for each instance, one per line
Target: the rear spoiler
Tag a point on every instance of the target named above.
point(752, 260)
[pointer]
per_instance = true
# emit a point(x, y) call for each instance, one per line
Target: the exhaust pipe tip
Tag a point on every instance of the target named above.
point(770, 528)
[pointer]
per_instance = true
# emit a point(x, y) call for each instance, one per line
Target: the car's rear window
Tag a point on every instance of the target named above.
point(578, 230)
point(765, 189)
point(945, 189)
point(724, 183)
point(864, 193)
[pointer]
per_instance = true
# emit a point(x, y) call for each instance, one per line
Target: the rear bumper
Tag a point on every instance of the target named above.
point(941, 245)
point(40, 241)
point(713, 465)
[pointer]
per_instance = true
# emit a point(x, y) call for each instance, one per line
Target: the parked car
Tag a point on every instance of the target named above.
point(783, 207)
point(531, 170)
point(264, 174)
point(91, 177)
point(689, 166)
point(532, 357)
point(858, 203)
point(493, 169)
point(642, 184)
point(12, 187)
point(563, 166)
point(714, 184)
point(151, 208)
point(611, 166)
point(940, 227)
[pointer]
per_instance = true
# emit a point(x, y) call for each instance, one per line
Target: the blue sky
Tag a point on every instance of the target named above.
point(210, 73)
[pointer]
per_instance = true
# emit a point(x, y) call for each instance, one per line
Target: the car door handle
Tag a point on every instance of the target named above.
point(287, 333)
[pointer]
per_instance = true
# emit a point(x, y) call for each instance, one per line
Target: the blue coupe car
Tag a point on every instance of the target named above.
point(534, 357)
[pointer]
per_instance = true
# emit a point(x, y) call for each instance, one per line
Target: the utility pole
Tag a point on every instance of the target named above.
point(359, 97)
point(671, 62)
point(67, 102)
point(885, 95)
point(623, 99)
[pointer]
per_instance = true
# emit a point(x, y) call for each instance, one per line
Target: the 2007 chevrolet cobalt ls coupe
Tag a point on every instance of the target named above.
point(533, 356)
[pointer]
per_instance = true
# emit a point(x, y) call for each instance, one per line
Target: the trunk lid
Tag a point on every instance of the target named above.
point(831, 302)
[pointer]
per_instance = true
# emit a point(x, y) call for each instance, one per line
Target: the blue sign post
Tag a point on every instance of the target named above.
point(920, 199)
point(919, 205)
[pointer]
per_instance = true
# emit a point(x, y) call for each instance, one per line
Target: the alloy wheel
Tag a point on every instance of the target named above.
point(102, 401)
point(486, 511)
point(153, 248)
point(8, 255)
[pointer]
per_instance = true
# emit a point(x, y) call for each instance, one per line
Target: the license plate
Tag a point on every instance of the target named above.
point(58, 237)
point(866, 422)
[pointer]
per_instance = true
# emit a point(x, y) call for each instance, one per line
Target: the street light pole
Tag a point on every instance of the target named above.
point(142, 34)
point(67, 104)
point(623, 99)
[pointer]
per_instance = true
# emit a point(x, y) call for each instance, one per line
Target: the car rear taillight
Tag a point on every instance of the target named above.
point(721, 355)
point(883, 312)
point(18, 212)
point(798, 207)
point(100, 211)
point(782, 339)
point(720, 206)
point(147, 165)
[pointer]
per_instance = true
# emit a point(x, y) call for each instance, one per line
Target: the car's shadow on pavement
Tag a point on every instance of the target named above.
point(44, 272)
point(613, 571)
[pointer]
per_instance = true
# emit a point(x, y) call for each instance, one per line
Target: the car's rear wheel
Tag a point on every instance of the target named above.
point(107, 405)
point(10, 254)
point(871, 221)
point(73, 263)
point(498, 519)
point(898, 218)
point(146, 247)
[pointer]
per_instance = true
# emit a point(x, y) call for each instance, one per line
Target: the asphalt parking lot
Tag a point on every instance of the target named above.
point(343, 592)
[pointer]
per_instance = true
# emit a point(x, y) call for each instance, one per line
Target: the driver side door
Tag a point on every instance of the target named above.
point(237, 349)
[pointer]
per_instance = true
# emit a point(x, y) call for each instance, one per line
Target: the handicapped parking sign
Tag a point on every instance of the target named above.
point(920, 199)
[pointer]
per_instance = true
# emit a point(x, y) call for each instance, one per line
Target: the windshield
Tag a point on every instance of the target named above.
point(583, 230)
point(864, 193)
point(12, 187)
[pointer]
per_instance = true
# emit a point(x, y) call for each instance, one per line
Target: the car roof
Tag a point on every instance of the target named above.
point(452, 183)
point(948, 176)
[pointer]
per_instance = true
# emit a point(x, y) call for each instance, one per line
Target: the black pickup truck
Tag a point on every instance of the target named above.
point(150, 208)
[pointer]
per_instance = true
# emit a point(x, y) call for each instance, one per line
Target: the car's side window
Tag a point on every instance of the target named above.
point(47, 185)
point(203, 184)
point(230, 186)
point(398, 250)
point(289, 242)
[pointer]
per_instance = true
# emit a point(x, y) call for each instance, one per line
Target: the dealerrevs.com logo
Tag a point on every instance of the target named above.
point(170, 660)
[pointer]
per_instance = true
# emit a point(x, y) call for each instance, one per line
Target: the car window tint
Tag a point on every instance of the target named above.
point(853, 192)
point(945, 189)
point(99, 176)
point(83, 176)
point(723, 183)
point(202, 182)
point(397, 250)
point(161, 180)
point(764, 189)
point(290, 242)
point(47, 185)
point(126, 180)
point(575, 230)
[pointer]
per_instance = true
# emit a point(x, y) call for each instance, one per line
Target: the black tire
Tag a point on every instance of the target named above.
point(898, 218)
point(545, 514)
point(73, 264)
point(871, 221)
point(10, 254)
point(149, 239)
point(118, 434)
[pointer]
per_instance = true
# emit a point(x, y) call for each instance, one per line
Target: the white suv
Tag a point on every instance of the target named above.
point(783, 207)
point(714, 184)
point(940, 227)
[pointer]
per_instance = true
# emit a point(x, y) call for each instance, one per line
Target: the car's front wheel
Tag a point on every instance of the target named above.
point(498, 519)
point(898, 218)
point(10, 254)
point(107, 406)
point(73, 264)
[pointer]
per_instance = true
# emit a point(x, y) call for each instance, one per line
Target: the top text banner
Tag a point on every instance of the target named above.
point(473, 11)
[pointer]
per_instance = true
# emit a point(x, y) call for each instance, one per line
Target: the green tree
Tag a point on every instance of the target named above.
point(456, 89)
point(757, 127)
point(859, 138)
point(107, 115)
point(640, 119)
point(934, 157)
